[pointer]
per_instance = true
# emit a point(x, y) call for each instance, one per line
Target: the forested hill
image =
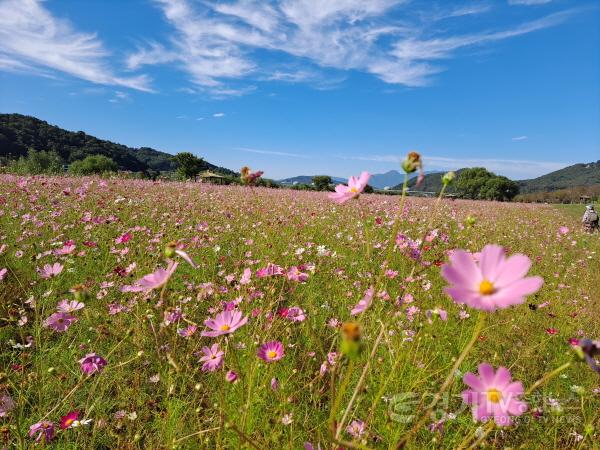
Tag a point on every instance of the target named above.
point(571, 176)
point(19, 133)
point(577, 175)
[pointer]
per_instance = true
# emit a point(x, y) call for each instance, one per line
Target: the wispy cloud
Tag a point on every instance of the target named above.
point(217, 43)
point(219, 115)
point(515, 168)
point(528, 2)
point(520, 138)
point(32, 39)
point(270, 152)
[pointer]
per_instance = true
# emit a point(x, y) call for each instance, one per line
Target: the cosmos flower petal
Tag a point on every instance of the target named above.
point(514, 268)
point(492, 257)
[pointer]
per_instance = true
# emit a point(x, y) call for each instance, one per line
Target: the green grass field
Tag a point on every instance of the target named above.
point(153, 392)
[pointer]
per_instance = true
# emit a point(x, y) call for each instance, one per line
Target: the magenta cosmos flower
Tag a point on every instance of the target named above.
point(212, 359)
point(271, 351)
point(92, 363)
point(68, 420)
point(493, 282)
point(42, 430)
point(355, 186)
point(154, 280)
point(225, 322)
point(494, 395)
point(60, 321)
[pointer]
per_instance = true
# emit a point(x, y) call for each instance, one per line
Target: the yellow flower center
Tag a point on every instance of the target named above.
point(69, 422)
point(225, 327)
point(486, 287)
point(353, 190)
point(271, 354)
point(494, 395)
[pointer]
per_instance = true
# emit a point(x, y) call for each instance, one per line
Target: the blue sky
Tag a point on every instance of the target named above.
point(315, 86)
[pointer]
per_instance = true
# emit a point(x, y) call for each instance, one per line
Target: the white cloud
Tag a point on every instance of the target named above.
point(514, 168)
point(528, 2)
point(218, 42)
point(32, 39)
point(219, 115)
point(520, 138)
point(270, 152)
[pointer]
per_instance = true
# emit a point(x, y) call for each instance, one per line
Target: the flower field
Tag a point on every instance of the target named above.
point(151, 315)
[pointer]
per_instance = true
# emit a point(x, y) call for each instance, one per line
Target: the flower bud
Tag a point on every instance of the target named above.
point(170, 249)
point(80, 292)
point(350, 345)
point(448, 177)
point(412, 162)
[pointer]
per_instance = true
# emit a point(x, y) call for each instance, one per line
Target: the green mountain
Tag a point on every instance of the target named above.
point(18, 133)
point(569, 177)
point(572, 176)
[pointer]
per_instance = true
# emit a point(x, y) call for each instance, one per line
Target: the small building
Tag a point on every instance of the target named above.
point(211, 177)
point(585, 199)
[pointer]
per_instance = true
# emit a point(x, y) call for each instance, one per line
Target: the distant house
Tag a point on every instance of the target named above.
point(211, 177)
point(585, 199)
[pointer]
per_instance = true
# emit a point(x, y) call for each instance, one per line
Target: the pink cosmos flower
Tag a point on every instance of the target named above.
point(225, 322)
point(271, 351)
point(295, 314)
point(187, 331)
point(294, 274)
point(212, 359)
point(60, 321)
point(245, 279)
point(68, 420)
point(3, 273)
point(493, 282)
point(42, 430)
point(92, 363)
point(231, 376)
point(66, 306)
point(155, 280)
point(356, 428)
point(49, 271)
point(363, 304)
point(67, 249)
point(269, 271)
point(563, 230)
point(494, 394)
point(355, 186)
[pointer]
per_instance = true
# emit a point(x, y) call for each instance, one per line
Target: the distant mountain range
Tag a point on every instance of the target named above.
point(307, 179)
point(18, 133)
point(377, 180)
point(571, 176)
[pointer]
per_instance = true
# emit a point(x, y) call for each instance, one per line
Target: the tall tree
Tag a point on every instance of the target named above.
point(479, 183)
point(321, 182)
point(188, 164)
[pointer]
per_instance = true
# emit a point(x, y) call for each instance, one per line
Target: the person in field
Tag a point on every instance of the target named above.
point(590, 219)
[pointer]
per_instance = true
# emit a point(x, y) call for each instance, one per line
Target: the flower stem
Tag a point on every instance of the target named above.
point(361, 381)
point(447, 382)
